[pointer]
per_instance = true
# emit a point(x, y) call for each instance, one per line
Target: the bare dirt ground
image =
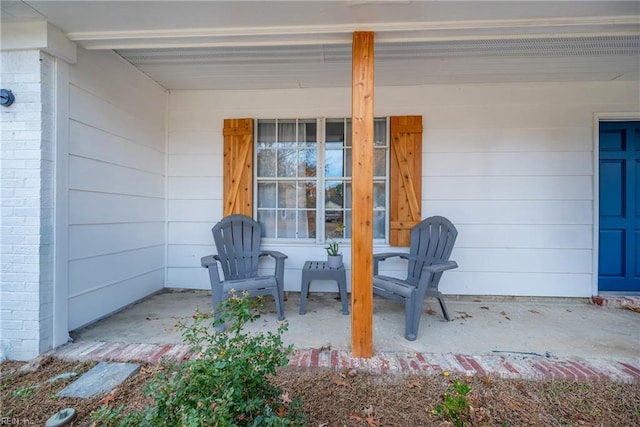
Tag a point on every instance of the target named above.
point(350, 398)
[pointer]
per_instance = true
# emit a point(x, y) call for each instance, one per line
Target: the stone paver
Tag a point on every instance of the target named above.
point(101, 379)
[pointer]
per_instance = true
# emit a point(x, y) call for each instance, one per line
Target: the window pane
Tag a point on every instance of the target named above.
point(266, 132)
point(378, 224)
point(347, 195)
point(347, 224)
point(334, 162)
point(307, 131)
point(333, 226)
point(379, 161)
point(286, 224)
point(267, 218)
point(287, 195)
point(287, 163)
point(333, 194)
point(266, 162)
point(287, 131)
point(307, 224)
point(380, 132)
point(308, 163)
point(379, 195)
point(347, 162)
point(307, 195)
point(266, 195)
point(334, 130)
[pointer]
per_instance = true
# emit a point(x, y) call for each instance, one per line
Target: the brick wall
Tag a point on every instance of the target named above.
point(27, 202)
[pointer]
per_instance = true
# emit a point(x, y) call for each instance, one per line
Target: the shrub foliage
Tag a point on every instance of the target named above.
point(226, 381)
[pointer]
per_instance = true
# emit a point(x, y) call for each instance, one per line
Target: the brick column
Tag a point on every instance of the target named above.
point(27, 204)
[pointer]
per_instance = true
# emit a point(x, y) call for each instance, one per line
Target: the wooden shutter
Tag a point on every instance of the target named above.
point(405, 179)
point(238, 167)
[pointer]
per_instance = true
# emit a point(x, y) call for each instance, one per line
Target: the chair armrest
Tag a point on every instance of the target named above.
point(430, 277)
point(275, 254)
point(279, 271)
point(439, 268)
point(385, 255)
point(208, 260)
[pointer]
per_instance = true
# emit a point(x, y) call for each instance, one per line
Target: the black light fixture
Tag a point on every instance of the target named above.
point(6, 97)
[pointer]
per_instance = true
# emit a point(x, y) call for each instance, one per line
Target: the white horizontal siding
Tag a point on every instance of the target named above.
point(518, 116)
point(102, 239)
point(92, 143)
point(532, 236)
point(568, 261)
point(122, 100)
point(507, 164)
point(116, 186)
point(460, 282)
point(510, 164)
point(202, 187)
point(193, 210)
point(113, 208)
point(90, 274)
point(188, 277)
point(512, 212)
point(189, 141)
point(94, 175)
point(192, 233)
point(186, 164)
point(497, 140)
point(89, 307)
point(514, 187)
point(101, 114)
point(188, 256)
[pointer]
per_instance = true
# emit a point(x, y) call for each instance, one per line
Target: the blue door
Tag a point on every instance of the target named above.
point(619, 252)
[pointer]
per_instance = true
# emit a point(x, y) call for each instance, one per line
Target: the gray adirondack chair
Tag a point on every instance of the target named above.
point(431, 244)
point(237, 238)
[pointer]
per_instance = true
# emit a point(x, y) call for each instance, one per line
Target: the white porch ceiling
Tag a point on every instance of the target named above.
point(288, 44)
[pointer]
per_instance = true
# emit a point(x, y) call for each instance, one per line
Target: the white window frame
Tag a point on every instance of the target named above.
point(320, 180)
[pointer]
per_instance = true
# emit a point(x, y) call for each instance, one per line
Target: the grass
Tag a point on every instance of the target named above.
point(334, 398)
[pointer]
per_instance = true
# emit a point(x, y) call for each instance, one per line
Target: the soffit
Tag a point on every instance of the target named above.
point(241, 44)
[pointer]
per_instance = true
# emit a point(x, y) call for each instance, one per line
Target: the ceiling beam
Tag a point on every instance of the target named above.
point(393, 32)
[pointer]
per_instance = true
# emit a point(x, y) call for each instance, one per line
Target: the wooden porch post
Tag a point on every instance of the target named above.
point(362, 198)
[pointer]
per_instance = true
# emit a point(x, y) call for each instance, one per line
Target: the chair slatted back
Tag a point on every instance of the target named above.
point(431, 243)
point(237, 238)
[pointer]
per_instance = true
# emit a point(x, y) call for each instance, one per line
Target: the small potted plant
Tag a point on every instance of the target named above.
point(334, 257)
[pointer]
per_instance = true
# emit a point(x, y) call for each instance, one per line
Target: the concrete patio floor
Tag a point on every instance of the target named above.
point(509, 337)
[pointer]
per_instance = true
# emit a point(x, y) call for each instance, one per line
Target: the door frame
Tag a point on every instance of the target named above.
point(597, 118)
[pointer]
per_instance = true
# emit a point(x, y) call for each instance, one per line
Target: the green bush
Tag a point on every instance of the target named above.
point(455, 405)
point(227, 382)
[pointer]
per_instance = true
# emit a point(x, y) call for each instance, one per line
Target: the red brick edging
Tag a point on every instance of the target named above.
point(631, 302)
point(505, 365)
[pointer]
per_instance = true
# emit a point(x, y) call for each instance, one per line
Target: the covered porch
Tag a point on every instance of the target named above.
point(510, 337)
point(119, 113)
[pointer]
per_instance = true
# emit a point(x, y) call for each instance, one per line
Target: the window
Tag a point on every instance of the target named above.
point(297, 157)
point(303, 178)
